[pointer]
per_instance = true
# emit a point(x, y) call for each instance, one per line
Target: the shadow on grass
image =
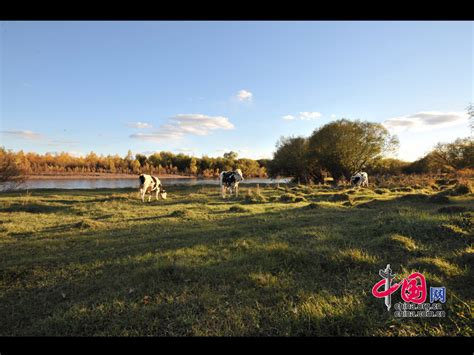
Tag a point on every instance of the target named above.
point(34, 208)
point(196, 275)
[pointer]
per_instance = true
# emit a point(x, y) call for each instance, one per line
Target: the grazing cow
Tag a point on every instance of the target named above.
point(360, 179)
point(229, 180)
point(148, 184)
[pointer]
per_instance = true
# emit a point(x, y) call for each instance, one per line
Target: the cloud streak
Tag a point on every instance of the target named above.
point(23, 134)
point(139, 125)
point(427, 120)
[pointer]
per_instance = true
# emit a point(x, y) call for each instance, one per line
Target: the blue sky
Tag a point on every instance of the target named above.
point(207, 87)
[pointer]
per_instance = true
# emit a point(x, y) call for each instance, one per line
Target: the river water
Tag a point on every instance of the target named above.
point(130, 183)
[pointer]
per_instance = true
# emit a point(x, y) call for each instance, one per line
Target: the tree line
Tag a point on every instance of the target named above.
point(341, 148)
point(157, 163)
point(336, 150)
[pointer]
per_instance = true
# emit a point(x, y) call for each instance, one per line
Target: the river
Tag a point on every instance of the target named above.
point(119, 183)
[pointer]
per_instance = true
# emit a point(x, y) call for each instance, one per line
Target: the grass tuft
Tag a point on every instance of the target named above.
point(238, 209)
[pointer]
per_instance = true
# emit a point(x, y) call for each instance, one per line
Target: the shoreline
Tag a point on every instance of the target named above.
point(102, 176)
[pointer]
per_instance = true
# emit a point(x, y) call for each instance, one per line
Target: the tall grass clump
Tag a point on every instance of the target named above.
point(255, 197)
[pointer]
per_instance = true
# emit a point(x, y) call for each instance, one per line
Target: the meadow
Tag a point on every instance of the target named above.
point(276, 261)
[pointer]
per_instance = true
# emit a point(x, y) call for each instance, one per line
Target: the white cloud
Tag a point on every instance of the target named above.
point(309, 115)
point(186, 124)
point(244, 95)
point(139, 125)
point(423, 121)
point(23, 134)
point(200, 124)
point(305, 116)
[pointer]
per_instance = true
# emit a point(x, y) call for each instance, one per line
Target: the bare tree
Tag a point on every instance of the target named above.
point(11, 174)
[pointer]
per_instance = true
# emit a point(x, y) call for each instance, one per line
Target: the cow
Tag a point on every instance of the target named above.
point(229, 180)
point(360, 179)
point(148, 184)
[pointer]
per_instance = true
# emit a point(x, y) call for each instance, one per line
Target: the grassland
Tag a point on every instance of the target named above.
point(275, 261)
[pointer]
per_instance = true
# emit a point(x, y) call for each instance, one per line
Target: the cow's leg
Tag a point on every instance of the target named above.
point(223, 191)
point(142, 192)
point(157, 190)
point(236, 190)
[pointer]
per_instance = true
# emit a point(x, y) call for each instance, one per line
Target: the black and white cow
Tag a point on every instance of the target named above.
point(149, 184)
point(229, 180)
point(360, 179)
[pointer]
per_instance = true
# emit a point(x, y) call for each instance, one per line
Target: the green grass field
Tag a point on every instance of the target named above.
point(291, 262)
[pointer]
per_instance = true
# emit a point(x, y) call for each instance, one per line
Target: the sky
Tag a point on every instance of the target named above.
point(208, 87)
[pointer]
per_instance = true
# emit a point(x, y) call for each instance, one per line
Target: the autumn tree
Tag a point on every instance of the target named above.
point(11, 173)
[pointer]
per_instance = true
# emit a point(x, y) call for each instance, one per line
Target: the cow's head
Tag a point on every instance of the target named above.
point(162, 193)
point(238, 175)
